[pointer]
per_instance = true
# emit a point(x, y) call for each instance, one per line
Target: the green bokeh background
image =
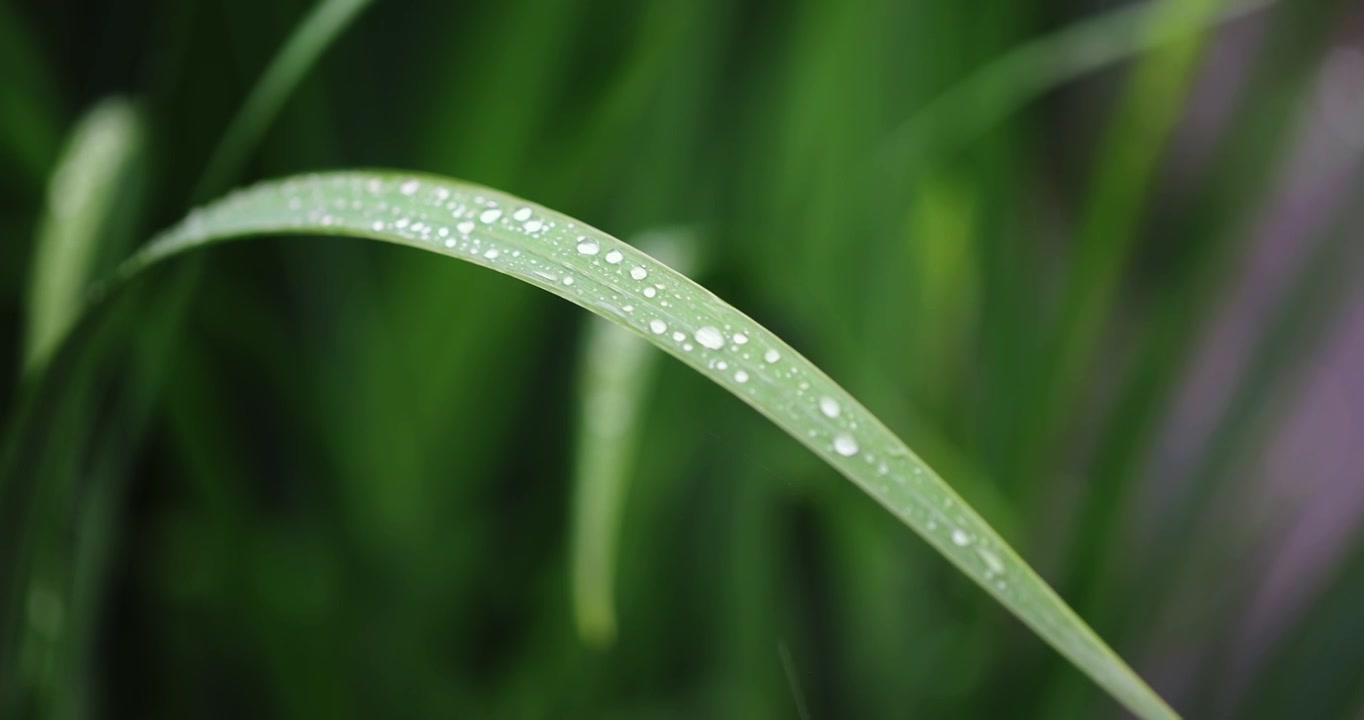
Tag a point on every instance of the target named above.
point(1106, 319)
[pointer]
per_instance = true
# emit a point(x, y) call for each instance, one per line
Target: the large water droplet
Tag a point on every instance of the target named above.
point(522, 215)
point(772, 356)
point(740, 338)
point(614, 257)
point(638, 273)
point(658, 326)
point(709, 337)
point(829, 407)
point(588, 246)
point(489, 216)
point(740, 376)
point(845, 445)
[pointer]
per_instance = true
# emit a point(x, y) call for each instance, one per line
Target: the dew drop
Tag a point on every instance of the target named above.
point(588, 246)
point(401, 223)
point(658, 326)
point(568, 279)
point(534, 226)
point(845, 445)
point(378, 225)
point(740, 376)
point(679, 336)
point(638, 273)
point(960, 538)
point(614, 257)
point(740, 338)
point(991, 560)
point(465, 227)
point(650, 292)
point(521, 215)
point(772, 356)
point(489, 216)
point(410, 187)
point(709, 337)
point(829, 407)
point(491, 254)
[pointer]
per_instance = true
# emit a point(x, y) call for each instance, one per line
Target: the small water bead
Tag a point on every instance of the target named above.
point(709, 337)
point(740, 376)
point(491, 254)
point(829, 407)
point(658, 326)
point(639, 273)
point(614, 257)
point(465, 227)
point(679, 336)
point(991, 560)
point(401, 223)
point(377, 225)
point(772, 356)
point(410, 187)
point(629, 308)
point(740, 338)
point(722, 365)
point(588, 246)
point(568, 279)
point(521, 215)
point(534, 226)
point(845, 445)
point(489, 216)
point(960, 538)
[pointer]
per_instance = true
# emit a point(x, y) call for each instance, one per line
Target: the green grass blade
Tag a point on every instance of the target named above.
point(327, 20)
point(598, 272)
point(989, 95)
point(615, 374)
point(82, 196)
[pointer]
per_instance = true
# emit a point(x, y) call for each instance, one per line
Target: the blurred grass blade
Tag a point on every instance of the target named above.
point(82, 197)
point(1132, 147)
point(617, 368)
point(1002, 87)
point(327, 20)
point(598, 272)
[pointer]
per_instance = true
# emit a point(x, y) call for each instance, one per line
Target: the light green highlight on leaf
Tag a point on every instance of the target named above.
point(81, 197)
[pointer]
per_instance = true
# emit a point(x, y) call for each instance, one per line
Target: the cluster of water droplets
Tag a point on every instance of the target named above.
point(607, 276)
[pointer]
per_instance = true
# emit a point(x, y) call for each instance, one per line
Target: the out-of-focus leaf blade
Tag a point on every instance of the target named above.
point(81, 198)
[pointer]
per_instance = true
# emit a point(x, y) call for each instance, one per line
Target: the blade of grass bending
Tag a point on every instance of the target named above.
point(989, 95)
point(602, 274)
point(617, 368)
point(327, 20)
point(81, 199)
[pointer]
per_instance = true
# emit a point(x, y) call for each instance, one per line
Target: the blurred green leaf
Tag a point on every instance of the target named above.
point(82, 202)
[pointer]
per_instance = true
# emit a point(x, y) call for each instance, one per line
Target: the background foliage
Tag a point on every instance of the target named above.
point(1125, 322)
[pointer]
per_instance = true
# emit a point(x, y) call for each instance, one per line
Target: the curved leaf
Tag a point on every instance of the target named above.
point(594, 270)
